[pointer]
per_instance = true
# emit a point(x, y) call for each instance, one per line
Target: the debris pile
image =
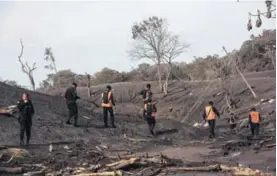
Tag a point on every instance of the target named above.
point(144, 164)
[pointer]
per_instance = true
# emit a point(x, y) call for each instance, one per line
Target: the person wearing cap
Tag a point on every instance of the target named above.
point(209, 114)
point(71, 97)
point(254, 121)
point(107, 105)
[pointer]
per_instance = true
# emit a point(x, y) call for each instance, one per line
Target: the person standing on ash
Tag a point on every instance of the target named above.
point(26, 113)
point(71, 97)
point(107, 105)
point(150, 110)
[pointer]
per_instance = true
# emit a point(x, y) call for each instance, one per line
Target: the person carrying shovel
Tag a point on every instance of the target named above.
point(209, 114)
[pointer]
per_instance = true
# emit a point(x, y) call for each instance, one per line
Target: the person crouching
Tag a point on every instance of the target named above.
point(150, 110)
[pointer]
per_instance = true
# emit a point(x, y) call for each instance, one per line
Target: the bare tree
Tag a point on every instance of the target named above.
point(88, 84)
point(26, 68)
point(49, 57)
point(149, 36)
point(172, 48)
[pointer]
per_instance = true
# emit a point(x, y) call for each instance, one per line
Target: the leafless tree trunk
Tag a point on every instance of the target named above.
point(244, 79)
point(160, 76)
point(173, 50)
point(88, 84)
point(26, 68)
point(169, 70)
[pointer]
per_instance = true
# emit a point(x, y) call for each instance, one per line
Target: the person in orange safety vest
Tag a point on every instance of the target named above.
point(150, 110)
point(210, 113)
point(107, 105)
point(254, 121)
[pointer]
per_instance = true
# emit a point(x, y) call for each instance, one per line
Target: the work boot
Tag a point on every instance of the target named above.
point(68, 122)
point(27, 140)
point(76, 125)
point(21, 142)
point(105, 125)
point(113, 126)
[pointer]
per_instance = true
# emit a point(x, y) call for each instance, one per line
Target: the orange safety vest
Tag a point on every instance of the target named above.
point(109, 104)
point(255, 117)
point(153, 114)
point(210, 115)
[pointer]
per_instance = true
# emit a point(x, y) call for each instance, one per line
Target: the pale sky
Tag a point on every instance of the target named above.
point(87, 36)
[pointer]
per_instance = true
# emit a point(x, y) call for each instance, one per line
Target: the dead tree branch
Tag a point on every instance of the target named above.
point(26, 68)
point(244, 79)
point(171, 50)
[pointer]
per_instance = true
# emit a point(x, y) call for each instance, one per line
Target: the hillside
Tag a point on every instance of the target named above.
point(174, 138)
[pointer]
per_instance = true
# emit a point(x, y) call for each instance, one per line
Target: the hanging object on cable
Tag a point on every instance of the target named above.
point(268, 13)
point(249, 24)
point(259, 20)
point(268, 3)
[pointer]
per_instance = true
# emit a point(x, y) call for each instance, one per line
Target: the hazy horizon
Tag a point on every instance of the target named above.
point(88, 36)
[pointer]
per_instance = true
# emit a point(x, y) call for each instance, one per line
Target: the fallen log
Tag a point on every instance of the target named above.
point(134, 140)
point(114, 173)
point(12, 170)
point(8, 110)
point(121, 164)
point(150, 171)
point(35, 173)
point(214, 168)
point(240, 171)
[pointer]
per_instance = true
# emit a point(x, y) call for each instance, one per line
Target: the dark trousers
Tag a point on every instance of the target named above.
point(211, 128)
point(107, 110)
point(255, 127)
point(25, 127)
point(72, 113)
point(151, 121)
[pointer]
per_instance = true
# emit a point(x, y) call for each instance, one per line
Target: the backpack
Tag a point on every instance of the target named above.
point(149, 109)
point(105, 98)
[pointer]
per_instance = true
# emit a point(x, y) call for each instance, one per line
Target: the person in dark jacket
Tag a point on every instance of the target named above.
point(232, 122)
point(209, 114)
point(26, 112)
point(71, 97)
point(146, 95)
point(107, 105)
point(150, 115)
